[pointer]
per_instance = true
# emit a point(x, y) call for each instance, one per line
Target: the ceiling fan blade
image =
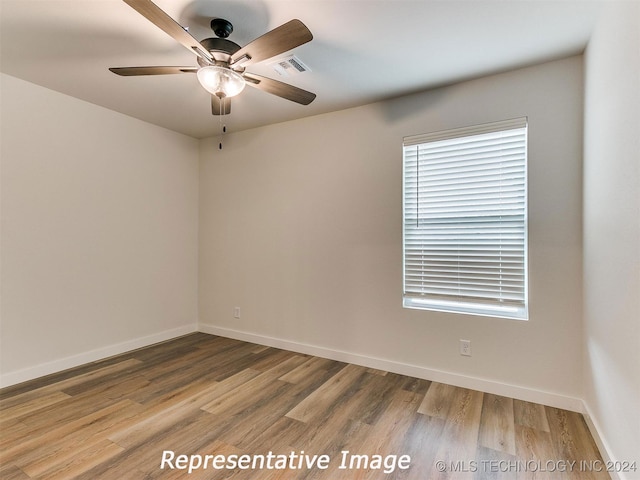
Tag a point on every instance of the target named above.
point(220, 107)
point(160, 19)
point(280, 89)
point(134, 71)
point(279, 40)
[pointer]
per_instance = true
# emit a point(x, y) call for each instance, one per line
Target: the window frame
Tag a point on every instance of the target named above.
point(519, 311)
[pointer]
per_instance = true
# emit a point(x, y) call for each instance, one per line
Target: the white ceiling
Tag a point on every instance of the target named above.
point(362, 51)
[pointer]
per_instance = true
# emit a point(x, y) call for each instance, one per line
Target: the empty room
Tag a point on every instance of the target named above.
point(319, 239)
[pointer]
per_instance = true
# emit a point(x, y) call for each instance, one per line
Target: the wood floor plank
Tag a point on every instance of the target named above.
point(279, 435)
point(328, 437)
point(387, 435)
point(171, 409)
point(11, 472)
point(532, 445)
point(531, 415)
point(37, 403)
point(184, 437)
point(207, 395)
point(72, 432)
point(250, 423)
point(422, 443)
point(497, 426)
point(411, 384)
point(215, 447)
point(11, 432)
point(197, 365)
point(82, 460)
point(380, 393)
point(494, 464)
point(276, 357)
point(308, 368)
point(437, 400)
point(286, 430)
point(459, 439)
point(188, 433)
point(35, 388)
point(572, 442)
point(319, 402)
point(235, 401)
point(39, 422)
point(58, 453)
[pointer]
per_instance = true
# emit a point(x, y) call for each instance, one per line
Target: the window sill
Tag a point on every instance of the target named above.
point(510, 312)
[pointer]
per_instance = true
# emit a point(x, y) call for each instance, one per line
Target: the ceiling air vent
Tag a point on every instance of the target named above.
point(290, 65)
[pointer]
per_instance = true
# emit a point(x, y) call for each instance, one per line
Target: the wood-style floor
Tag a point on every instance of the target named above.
point(202, 395)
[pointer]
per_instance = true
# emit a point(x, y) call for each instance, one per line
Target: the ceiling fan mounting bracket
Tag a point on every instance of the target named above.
point(221, 27)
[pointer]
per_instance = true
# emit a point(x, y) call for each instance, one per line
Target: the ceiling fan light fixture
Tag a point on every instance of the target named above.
point(220, 81)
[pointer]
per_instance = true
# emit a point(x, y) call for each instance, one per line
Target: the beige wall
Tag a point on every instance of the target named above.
point(300, 226)
point(612, 231)
point(99, 232)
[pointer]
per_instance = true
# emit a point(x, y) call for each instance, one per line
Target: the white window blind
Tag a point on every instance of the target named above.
point(465, 220)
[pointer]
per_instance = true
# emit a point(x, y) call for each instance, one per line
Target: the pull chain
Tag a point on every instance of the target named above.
point(223, 127)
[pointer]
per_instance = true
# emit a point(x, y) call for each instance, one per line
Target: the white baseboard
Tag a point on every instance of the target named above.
point(43, 369)
point(473, 383)
point(602, 445)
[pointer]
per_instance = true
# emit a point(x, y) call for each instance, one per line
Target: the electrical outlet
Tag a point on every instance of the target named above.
point(236, 312)
point(465, 347)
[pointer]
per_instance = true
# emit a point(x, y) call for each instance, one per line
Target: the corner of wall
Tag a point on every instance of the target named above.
point(611, 224)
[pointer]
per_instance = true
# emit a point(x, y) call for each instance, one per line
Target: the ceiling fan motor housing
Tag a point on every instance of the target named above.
point(220, 48)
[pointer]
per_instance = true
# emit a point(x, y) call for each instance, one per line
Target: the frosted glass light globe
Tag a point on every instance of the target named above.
point(221, 81)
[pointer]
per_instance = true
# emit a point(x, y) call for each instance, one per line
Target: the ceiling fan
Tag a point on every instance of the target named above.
point(222, 63)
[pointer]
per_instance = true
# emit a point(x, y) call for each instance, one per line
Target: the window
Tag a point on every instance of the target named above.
point(465, 220)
